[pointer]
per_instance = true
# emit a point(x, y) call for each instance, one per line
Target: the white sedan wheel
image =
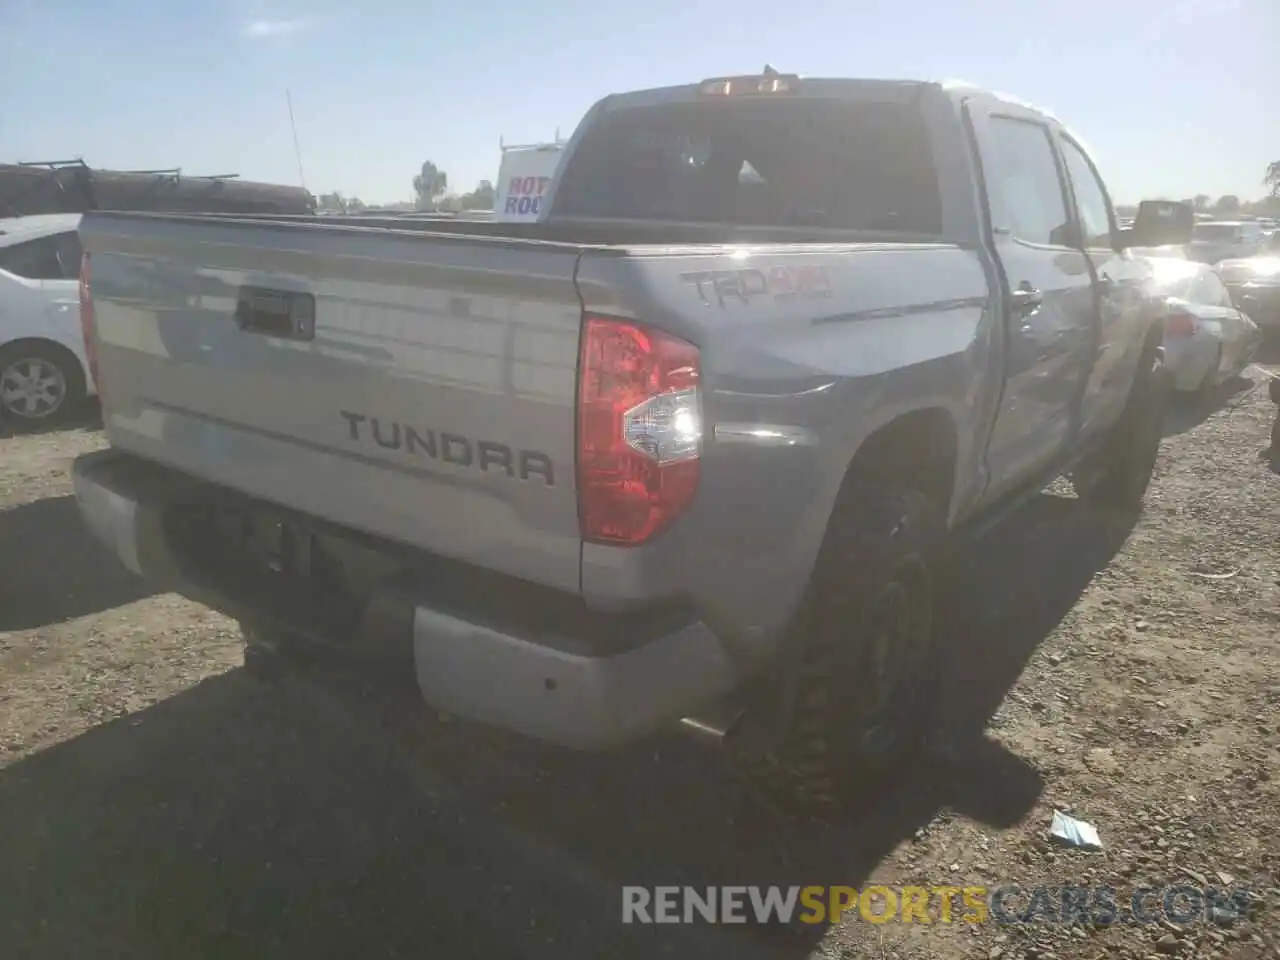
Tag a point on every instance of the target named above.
point(37, 384)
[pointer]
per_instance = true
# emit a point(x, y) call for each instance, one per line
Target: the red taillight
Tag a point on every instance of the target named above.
point(1179, 323)
point(639, 430)
point(87, 325)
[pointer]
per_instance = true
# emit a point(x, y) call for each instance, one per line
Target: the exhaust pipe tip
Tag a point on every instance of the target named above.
point(713, 726)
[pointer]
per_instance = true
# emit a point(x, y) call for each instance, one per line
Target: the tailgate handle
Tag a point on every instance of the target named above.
point(286, 314)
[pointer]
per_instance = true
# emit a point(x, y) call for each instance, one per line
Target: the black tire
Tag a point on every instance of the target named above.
point(1117, 476)
point(26, 358)
point(857, 714)
point(1273, 390)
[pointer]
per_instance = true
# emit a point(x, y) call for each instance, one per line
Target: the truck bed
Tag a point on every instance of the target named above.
point(435, 403)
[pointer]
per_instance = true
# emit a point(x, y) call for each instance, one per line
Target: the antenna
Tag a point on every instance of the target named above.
point(302, 181)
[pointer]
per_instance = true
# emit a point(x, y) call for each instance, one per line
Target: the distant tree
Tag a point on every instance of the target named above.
point(1272, 179)
point(429, 184)
point(1227, 204)
point(1201, 201)
point(482, 198)
point(334, 202)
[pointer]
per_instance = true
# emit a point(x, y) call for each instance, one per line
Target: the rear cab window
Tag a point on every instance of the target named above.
point(843, 164)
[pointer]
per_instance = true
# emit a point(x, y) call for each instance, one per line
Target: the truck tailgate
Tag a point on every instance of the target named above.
point(416, 387)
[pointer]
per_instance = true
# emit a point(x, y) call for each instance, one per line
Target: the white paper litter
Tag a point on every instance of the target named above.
point(1074, 832)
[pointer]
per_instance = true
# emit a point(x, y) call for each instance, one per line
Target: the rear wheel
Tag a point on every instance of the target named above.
point(860, 693)
point(1117, 476)
point(40, 383)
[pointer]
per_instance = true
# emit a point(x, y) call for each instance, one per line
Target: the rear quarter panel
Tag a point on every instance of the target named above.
point(804, 357)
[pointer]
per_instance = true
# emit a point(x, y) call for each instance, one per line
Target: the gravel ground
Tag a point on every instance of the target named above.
point(155, 801)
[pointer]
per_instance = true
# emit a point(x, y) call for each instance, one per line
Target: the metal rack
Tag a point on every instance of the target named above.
point(72, 186)
point(47, 173)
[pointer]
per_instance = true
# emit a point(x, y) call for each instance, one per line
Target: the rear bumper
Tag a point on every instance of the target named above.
point(531, 684)
point(569, 699)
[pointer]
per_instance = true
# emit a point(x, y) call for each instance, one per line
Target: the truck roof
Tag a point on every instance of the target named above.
point(825, 86)
point(888, 88)
point(893, 90)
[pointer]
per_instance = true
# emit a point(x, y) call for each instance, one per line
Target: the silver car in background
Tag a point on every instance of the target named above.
point(1214, 240)
point(1254, 283)
point(1207, 340)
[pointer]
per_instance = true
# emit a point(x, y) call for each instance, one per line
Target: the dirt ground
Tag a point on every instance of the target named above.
point(156, 801)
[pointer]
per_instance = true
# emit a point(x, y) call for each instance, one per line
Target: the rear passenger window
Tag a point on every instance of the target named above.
point(69, 252)
point(1092, 206)
point(1210, 290)
point(1023, 188)
point(34, 260)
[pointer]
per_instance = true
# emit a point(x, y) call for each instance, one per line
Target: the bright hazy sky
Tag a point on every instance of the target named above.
point(1176, 97)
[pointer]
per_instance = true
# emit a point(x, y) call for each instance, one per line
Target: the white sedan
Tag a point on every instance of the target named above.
point(1207, 341)
point(43, 373)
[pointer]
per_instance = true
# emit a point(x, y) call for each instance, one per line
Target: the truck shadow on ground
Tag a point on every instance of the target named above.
point(1188, 410)
point(51, 569)
point(241, 818)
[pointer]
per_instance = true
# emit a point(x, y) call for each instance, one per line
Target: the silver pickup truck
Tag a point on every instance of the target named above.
point(691, 448)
